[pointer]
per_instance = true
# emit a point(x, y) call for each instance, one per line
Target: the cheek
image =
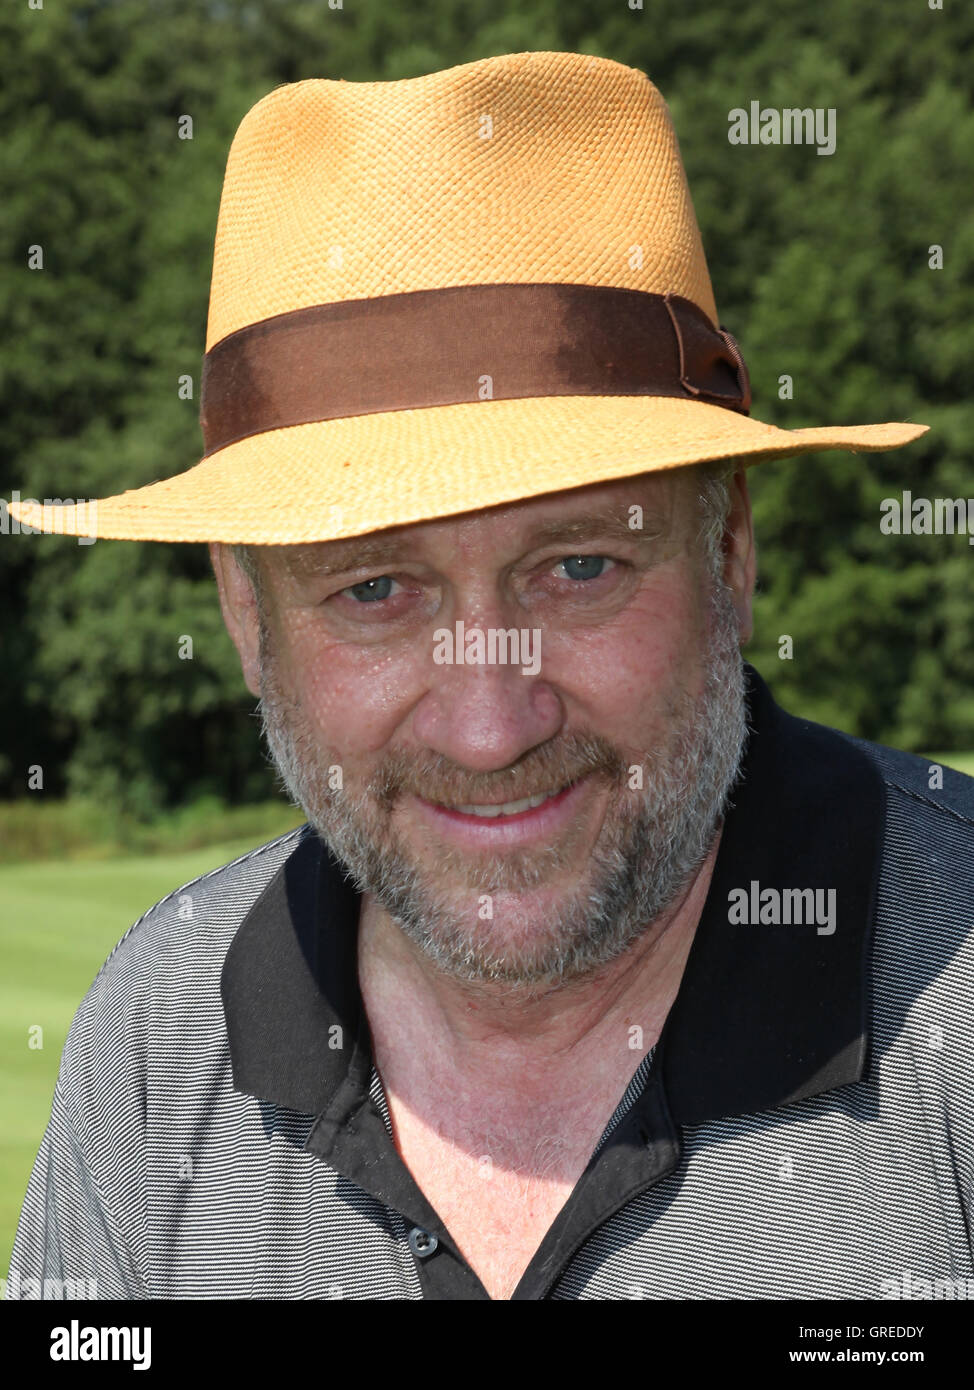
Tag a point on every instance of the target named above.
point(352, 698)
point(634, 668)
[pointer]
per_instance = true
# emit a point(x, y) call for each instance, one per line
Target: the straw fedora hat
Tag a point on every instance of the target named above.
point(440, 294)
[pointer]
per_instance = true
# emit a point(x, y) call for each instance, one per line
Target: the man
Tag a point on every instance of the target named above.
point(593, 973)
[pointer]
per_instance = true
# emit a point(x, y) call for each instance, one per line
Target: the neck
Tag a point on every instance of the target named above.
point(497, 1039)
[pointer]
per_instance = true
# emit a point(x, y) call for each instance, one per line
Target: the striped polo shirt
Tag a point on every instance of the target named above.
point(802, 1129)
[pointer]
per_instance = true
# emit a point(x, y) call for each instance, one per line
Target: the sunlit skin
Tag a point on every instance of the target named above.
point(619, 646)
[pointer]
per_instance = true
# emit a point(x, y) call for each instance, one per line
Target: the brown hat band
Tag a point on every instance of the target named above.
point(465, 343)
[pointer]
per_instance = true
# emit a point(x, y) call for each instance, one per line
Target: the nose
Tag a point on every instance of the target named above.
point(485, 715)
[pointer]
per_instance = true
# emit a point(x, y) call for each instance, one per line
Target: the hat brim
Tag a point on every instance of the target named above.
point(346, 477)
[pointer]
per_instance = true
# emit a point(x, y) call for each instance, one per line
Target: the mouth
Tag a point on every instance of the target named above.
point(527, 820)
point(488, 810)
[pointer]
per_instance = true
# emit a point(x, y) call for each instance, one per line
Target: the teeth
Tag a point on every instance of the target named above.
point(507, 808)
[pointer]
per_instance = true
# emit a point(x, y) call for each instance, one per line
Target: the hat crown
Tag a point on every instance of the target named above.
point(524, 168)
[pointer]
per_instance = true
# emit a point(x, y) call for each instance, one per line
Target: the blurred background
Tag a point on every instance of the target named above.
point(151, 766)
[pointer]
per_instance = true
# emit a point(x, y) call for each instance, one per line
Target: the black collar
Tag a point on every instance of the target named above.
point(765, 1015)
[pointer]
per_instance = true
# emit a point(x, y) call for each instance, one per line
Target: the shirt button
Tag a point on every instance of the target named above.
point(422, 1243)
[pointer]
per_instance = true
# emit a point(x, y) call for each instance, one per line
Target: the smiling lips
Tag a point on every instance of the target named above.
point(506, 810)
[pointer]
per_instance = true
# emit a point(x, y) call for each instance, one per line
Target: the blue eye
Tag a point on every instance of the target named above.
point(371, 590)
point(576, 567)
point(587, 564)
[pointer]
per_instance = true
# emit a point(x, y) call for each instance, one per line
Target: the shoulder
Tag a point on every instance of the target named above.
point(930, 800)
point(906, 824)
point(920, 943)
point(167, 966)
point(935, 786)
point(929, 806)
point(924, 944)
point(927, 860)
point(197, 921)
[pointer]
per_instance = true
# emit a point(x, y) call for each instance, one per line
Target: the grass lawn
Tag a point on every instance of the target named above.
point(60, 921)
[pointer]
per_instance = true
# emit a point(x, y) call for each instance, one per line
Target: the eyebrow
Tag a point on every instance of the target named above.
point(360, 552)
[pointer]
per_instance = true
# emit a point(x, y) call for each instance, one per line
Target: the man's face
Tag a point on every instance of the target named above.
point(631, 726)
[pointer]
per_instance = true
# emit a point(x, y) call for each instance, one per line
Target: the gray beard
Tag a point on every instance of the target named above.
point(650, 845)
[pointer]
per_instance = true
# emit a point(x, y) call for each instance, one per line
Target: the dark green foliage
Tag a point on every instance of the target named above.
point(819, 266)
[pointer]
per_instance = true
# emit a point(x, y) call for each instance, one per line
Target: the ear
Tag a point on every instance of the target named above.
point(238, 603)
point(740, 553)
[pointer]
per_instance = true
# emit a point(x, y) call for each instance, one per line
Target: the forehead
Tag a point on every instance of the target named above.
point(650, 504)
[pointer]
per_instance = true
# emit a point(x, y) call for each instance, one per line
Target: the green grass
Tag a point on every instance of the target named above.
point(60, 921)
point(34, 827)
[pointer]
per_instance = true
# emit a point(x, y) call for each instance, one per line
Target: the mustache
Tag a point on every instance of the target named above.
point(546, 768)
